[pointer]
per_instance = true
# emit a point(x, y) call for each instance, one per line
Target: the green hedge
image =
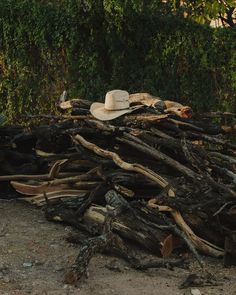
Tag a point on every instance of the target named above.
point(89, 47)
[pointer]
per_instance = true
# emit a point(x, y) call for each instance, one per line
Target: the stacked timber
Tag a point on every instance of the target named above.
point(160, 177)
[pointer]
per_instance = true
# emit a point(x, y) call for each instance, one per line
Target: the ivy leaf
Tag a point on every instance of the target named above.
point(2, 119)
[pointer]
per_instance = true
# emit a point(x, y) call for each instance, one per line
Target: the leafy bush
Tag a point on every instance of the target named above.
point(89, 47)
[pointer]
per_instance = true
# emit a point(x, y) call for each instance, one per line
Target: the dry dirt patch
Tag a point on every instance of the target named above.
point(34, 257)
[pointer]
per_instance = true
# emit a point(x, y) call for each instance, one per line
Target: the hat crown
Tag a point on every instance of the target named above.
point(117, 100)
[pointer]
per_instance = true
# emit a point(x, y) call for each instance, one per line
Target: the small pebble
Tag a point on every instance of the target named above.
point(6, 279)
point(2, 266)
point(27, 264)
point(195, 291)
point(9, 251)
point(58, 268)
point(54, 246)
point(38, 262)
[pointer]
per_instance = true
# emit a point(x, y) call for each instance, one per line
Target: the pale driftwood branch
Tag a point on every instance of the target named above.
point(27, 189)
point(122, 164)
point(40, 200)
point(35, 176)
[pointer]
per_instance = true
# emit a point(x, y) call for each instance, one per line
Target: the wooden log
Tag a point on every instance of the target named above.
point(124, 165)
point(211, 139)
point(146, 149)
point(35, 176)
point(216, 185)
point(227, 158)
point(109, 242)
point(28, 189)
point(93, 196)
point(147, 118)
point(199, 243)
point(128, 228)
point(218, 115)
point(75, 103)
point(230, 250)
point(43, 198)
point(225, 173)
point(185, 125)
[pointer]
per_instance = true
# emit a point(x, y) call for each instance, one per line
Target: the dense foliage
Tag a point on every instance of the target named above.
point(89, 47)
point(204, 11)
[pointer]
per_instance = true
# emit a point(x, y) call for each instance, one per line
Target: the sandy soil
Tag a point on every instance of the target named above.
point(34, 257)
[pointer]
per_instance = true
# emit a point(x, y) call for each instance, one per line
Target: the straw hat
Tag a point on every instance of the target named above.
point(116, 104)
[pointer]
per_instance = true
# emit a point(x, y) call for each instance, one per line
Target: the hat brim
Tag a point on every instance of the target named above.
point(99, 112)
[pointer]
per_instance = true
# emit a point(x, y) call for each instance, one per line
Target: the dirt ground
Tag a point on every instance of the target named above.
point(34, 257)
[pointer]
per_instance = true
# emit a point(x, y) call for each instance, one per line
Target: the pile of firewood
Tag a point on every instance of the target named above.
point(154, 177)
